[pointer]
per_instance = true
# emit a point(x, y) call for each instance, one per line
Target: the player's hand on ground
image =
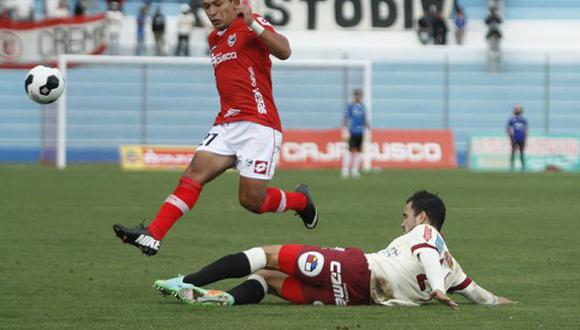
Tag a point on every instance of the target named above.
point(246, 13)
point(504, 300)
point(437, 294)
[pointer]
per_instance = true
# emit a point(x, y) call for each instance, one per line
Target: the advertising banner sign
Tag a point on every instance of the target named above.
point(311, 149)
point(143, 157)
point(27, 44)
point(490, 152)
point(388, 149)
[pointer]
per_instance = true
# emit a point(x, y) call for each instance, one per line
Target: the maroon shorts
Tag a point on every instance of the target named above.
point(330, 276)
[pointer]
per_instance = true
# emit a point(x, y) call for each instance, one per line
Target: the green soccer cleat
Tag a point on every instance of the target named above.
point(171, 286)
point(201, 297)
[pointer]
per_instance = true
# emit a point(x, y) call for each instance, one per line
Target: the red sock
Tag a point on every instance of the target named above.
point(277, 200)
point(177, 204)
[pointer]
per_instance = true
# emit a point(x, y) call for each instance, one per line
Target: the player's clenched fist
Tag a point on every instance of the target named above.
point(246, 13)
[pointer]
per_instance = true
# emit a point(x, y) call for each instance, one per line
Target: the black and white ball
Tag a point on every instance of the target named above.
point(43, 84)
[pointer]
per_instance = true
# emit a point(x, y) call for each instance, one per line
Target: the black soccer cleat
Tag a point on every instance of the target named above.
point(139, 237)
point(310, 214)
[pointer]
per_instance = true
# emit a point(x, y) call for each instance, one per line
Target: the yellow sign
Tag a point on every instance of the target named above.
point(155, 157)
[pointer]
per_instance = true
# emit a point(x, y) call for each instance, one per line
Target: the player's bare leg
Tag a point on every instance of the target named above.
point(252, 193)
point(204, 167)
point(356, 162)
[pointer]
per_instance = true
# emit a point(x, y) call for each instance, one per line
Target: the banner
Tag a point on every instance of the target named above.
point(491, 152)
point(142, 157)
point(27, 44)
point(388, 149)
point(308, 149)
point(347, 14)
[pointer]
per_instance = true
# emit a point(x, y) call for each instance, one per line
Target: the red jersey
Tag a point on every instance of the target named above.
point(242, 69)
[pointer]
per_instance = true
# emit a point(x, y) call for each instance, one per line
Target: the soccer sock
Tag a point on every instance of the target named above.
point(252, 291)
point(277, 200)
point(176, 205)
point(231, 266)
point(356, 163)
point(346, 163)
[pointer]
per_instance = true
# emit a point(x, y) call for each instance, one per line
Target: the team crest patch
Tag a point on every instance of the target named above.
point(232, 40)
point(428, 233)
point(311, 263)
point(260, 167)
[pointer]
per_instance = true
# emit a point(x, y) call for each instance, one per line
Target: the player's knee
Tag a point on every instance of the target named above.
point(251, 202)
point(274, 280)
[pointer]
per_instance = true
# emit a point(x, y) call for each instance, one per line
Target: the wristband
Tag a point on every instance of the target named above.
point(257, 28)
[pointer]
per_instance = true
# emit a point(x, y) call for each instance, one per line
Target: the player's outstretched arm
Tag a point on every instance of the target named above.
point(481, 296)
point(276, 43)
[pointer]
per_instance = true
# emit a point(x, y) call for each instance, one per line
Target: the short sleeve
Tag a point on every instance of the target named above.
point(426, 237)
point(211, 39)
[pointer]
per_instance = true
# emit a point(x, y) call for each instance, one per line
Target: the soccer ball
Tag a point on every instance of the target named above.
point(43, 84)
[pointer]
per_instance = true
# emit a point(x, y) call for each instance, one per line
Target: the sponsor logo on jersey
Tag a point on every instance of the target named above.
point(260, 104)
point(252, 76)
point(338, 287)
point(260, 167)
point(311, 263)
point(392, 251)
point(220, 58)
point(428, 233)
point(232, 40)
point(232, 112)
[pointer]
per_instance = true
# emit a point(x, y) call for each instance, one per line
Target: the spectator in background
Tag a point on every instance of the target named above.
point(355, 124)
point(158, 27)
point(141, 22)
point(119, 2)
point(517, 130)
point(424, 29)
point(185, 23)
point(4, 15)
point(493, 19)
point(81, 8)
point(17, 10)
point(114, 26)
point(440, 29)
point(56, 8)
point(493, 37)
point(460, 22)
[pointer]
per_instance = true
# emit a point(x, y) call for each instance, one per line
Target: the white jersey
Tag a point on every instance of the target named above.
point(397, 275)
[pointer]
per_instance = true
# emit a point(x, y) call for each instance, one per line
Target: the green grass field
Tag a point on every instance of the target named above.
point(62, 267)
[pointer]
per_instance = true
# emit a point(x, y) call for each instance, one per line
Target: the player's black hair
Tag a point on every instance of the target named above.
point(431, 204)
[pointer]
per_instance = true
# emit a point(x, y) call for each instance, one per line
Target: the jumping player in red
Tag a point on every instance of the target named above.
point(247, 133)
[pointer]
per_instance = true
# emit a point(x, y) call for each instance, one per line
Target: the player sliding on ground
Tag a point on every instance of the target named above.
point(246, 133)
point(415, 268)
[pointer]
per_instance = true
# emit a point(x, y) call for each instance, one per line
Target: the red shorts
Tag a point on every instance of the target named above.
point(330, 276)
